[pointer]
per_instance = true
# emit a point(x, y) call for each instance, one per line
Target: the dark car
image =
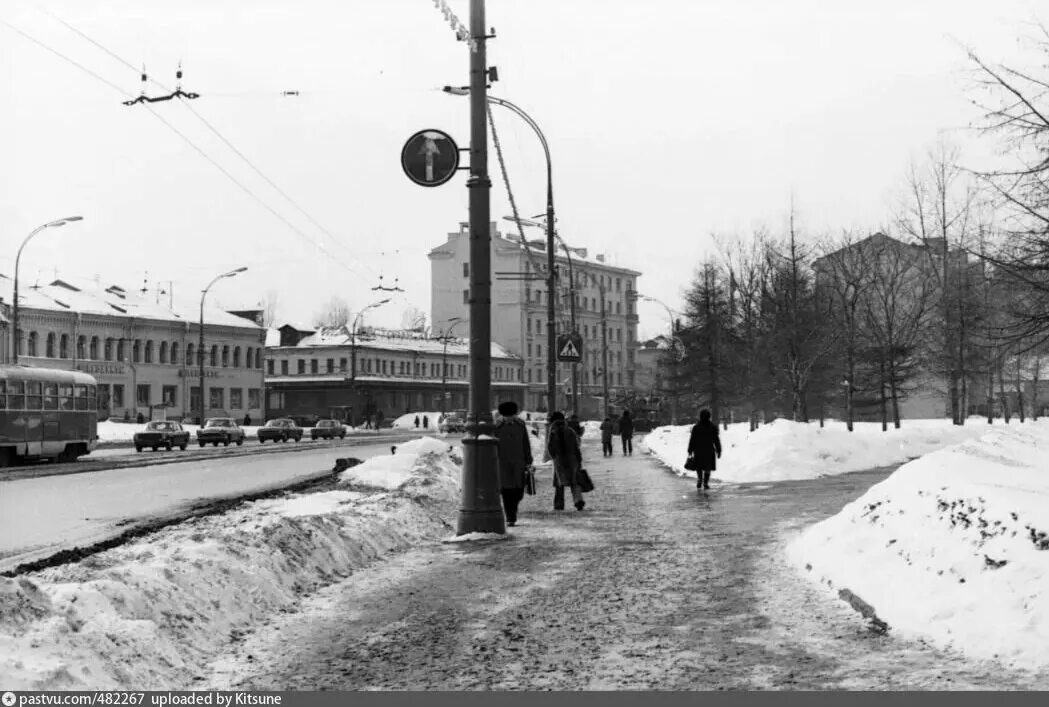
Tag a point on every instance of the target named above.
point(280, 430)
point(452, 422)
point(162, 433)
point(220, 429)
point(328, 429)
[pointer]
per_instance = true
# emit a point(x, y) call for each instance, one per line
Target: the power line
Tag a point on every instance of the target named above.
point(189, 142)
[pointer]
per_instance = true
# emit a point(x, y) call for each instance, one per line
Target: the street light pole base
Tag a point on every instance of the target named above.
point(481, 508)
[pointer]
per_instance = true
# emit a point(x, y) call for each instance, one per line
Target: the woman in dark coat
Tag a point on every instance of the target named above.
point(563, 446)
point(704, 445)
point(626, 432)
point(515, 456)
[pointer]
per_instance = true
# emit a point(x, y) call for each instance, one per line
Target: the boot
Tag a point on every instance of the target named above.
point(706, 479)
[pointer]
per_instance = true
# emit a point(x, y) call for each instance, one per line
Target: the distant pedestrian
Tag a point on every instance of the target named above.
point(416, 422)
point(563, 446)
point(576, 426)
point(426, 422)
point(515, 456)
point(704, 446)
point(247, 420)
point(378, 419)
point(368, 422)
point(606, 437)
point(626, 432)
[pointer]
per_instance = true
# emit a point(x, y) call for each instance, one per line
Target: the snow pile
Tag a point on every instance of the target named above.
point(953, 547)
point(152, 614)
point(786, 450)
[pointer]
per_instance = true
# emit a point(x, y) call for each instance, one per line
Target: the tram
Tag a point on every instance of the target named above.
point(47, 413)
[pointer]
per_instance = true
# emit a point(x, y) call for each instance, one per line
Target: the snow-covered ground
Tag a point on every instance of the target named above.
point(784, 450)
point(952, 548)
point(151, 613)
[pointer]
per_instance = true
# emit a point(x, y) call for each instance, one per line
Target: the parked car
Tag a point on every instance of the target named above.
point(220, 429)
point(162, 433)
point(280, 430)
point(328, 429)
point(452, 422)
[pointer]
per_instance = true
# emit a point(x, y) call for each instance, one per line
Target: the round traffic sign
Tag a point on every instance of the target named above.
point(430, 158)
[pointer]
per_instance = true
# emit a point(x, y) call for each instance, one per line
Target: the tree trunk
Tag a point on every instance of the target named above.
point(1035, 372)
point(884, 401)
point(895, 395)
point(1019, 393)
point(1001, 391)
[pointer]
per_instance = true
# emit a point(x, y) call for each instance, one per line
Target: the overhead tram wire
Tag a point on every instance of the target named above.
point(219, 135)
point(189, 142)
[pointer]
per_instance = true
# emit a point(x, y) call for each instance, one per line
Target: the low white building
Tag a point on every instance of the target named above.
point(142, 352)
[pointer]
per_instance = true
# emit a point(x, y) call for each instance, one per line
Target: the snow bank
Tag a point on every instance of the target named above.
point(785, 450)
point(151, 614)
point(953, 547)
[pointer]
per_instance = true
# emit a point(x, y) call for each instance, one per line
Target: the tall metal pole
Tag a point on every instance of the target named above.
point(481, 508)
point(572, 324)
point(604, 350)
point(200, 352)
point(551, 285)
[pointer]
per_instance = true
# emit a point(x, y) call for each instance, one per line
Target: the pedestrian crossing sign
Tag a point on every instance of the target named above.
point(569, 348)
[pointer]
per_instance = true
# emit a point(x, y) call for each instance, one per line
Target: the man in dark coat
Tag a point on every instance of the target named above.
point(515, 456)
point(576, 426)
point(704, 446)
point(626, 432)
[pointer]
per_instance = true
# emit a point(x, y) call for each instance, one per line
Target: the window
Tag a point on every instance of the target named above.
point(191, 358)
point(236, 357)
point(174, 352)
point(236, 399)
point(49, 352)
point(254, 398)
point(194, 398)
point(215, 398)
point(249, 358)
point(63, 346)
point(302, 366)
point(313, 365)
point(529, 326)
point(258, 359)
point(618, 311)
point(107, 349)
point(81, 347)
point(118, 395)
point(50, 396)
point(92, 350)
point(384, 367)
point(539, 350)
point(342, 365)
point(466, 296)
point(142, 394)
point(529, 375)
point(330, 365)
point(34, 391)
point(162, 356)
point(136, 351)
point(169, 394)
point(617, 284)
point(284, 367)
point(121, 350)
point(269, 367)
point(225, 356)
point(149, 352)
point(32, 343)
point(466, 269)
point(214, 355)
point(401, 368)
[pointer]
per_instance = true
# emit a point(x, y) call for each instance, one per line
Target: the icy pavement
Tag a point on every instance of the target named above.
point(654, 586)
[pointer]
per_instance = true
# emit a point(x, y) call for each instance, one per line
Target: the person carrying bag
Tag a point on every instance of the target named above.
point(563, 447)
point(515, 459)
point(704, 449)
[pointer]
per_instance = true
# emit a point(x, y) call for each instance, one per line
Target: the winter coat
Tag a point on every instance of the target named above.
point(515, 452)
point(606, 431)
point(705, 444)
point(576, 427)
point(626, 426)
point(563, 447)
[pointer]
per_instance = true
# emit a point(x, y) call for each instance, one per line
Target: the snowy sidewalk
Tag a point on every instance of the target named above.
point(653, 586)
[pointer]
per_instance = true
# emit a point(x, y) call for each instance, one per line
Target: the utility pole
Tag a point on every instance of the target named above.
point(604, 349)
point(481, 509)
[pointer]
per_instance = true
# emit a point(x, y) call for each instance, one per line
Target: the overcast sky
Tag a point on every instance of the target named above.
point(668, 121)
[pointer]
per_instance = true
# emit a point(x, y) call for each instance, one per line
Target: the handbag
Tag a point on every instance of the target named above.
point(529, 478)
point(586, 484)
point(690, 464)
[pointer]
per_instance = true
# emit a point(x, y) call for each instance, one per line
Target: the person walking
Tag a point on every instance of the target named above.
point(416, 422)
point(606, 437)
point(563, 446)
point(704, 446)
point(626, 432)
point(515, 456)
point(426, 422)
point(576, 426)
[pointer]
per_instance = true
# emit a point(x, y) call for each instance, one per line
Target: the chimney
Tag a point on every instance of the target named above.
point(600, 257)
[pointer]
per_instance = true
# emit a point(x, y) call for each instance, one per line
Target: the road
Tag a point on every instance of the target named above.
point(43, 515)
point(654, 586)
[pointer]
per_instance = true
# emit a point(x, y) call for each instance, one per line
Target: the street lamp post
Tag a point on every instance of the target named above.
point(200, 348)
point(551, 339)
point(445, 336)
point(15, 337)
point(353, 345)
point(673, 341)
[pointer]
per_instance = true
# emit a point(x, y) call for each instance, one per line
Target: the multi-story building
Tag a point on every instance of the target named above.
point(331, 372)
point(605, 314)
point(142, 353)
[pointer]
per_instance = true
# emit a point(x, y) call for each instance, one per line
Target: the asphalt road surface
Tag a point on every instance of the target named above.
point(654, 586)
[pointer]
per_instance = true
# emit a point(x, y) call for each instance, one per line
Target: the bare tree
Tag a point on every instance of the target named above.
point(413, 319)
point(748, 280)
point(336, 313)
point(269, 309)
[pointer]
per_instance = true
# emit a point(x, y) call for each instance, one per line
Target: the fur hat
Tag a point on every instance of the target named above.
point(508, 408)
point(555, 416)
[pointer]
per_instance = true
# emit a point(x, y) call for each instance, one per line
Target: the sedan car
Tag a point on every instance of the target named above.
point(220, 429)
point(452, 423)
point(280, 430)
point(161, 433)
point(328, 429)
